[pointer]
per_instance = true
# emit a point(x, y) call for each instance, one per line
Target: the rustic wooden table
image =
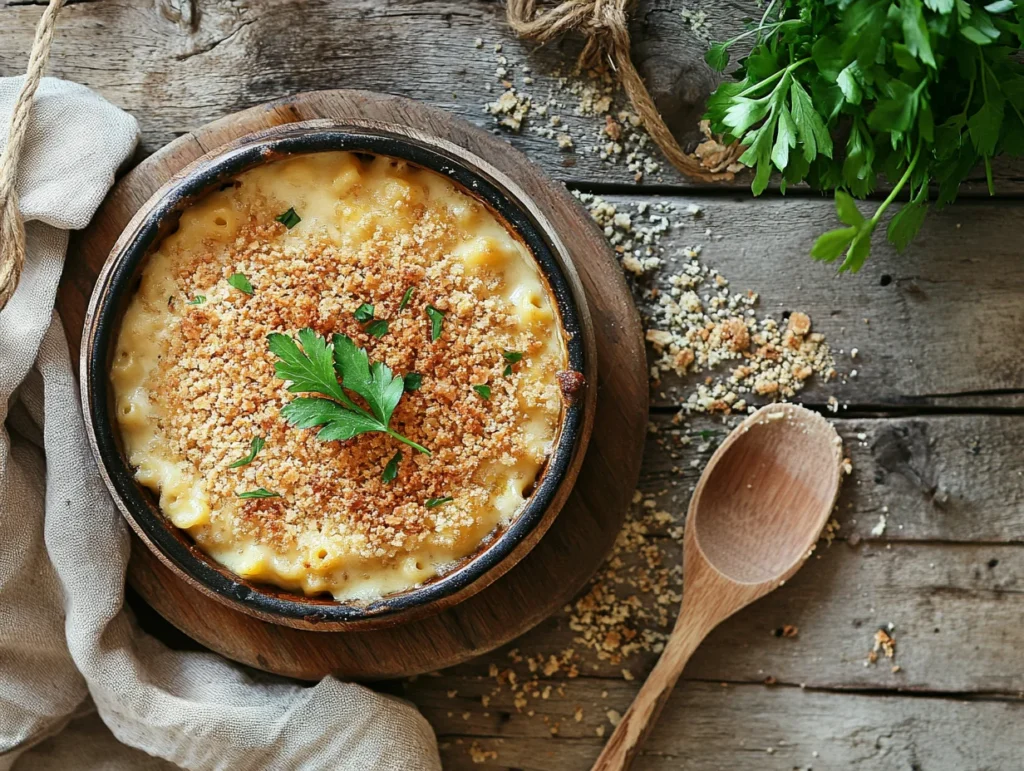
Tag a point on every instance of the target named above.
point(932, 420)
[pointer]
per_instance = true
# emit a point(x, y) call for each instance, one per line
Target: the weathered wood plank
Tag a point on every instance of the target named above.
point(956, 612)
point(956, 606)
point(706, 725)
point(955, 478)
point(176, 69)
point(937, 322)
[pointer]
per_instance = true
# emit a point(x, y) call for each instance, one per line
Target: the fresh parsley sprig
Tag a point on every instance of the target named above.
point(317, 367)
point(838, 94)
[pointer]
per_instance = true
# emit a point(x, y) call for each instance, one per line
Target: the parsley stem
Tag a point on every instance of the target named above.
point(895, 191)
point(770, 27)
point(773, 78)
point(410, 442)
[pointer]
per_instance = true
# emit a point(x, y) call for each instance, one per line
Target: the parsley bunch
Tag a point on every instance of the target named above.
point(837, 93)
point(317, 367)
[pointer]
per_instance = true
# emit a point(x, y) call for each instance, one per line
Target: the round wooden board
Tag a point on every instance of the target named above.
point(582, 534)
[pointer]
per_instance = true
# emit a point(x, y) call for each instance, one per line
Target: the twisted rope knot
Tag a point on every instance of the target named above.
point(12, 228)
point(607, 34)
point(605, 24)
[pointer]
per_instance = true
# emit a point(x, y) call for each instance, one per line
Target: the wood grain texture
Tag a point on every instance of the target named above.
point(943, 338)
point(938, 478)
point(177, 71)
point(571, 550)
point(718, 726)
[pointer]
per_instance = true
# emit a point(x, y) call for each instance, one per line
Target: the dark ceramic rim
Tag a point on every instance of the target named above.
point(117, 283)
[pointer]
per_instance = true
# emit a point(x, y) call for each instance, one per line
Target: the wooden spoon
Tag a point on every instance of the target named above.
point(754, 518)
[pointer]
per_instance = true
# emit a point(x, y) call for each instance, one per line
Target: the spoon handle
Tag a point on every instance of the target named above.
point(620, 751)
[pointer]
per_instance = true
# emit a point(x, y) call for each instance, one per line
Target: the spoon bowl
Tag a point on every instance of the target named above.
point(754, 518)
point(766, 494)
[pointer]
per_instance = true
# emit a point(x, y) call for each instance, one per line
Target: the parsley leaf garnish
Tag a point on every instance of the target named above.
point(391, 470)
point(316, 369)
point(364, 313)
point(413, 381)
point(259, 492)
point(483, 390)
point(377, 328)
point(433, 503)
point(838, 94)
point(257, 444)
point(240, 282)
point(199, 299)
point(512, 357)
point(405, 298)
point(436, 322)
point(289, 218)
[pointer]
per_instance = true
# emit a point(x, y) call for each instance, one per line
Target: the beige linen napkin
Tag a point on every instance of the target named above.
point(66, 644)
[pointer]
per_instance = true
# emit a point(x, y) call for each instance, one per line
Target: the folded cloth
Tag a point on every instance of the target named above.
point(66, 642)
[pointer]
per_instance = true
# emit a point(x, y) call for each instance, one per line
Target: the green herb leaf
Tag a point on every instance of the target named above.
point(483, 390)
point(339, 423)
point(830, 245)
point(316, 368)
point(512, 357)
point(255, 446)
point(717, 56)
point(259, 492)
point(405, 298)
point(377, 328)
point(915, 32)
point(984, 127)
point(436, 322)
point(859, 248)
point(906, 223)
point(847, 210)
point(199, 299)
point(289, 218)
point(433, 503)
point(413, 381)
point(240, 282)
point(377, 384)
point(309, 370)
point(364, 313)
point(391, 470)
point(847, 82)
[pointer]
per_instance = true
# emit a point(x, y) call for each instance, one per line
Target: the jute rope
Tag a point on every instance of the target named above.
point(12, 228)
point(604, 23)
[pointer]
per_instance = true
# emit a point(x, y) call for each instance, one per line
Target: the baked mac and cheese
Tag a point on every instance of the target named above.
point(422, 276)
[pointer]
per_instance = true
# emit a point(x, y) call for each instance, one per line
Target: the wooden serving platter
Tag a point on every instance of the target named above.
point(580, 537)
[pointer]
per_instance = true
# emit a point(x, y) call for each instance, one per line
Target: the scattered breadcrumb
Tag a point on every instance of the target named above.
point(572, 98)
point(885, 642)
point(480, 755)
point(726, 354)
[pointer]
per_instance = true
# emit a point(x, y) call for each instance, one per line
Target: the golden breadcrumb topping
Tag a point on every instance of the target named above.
point(216, 388)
